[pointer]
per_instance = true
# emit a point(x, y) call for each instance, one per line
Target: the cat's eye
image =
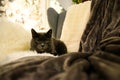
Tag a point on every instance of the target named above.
point(37, 41)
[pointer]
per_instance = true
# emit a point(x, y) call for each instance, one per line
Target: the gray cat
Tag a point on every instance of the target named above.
point(44, 43)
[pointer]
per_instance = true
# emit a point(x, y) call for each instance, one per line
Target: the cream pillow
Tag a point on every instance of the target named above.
point(74, 25)
point(13, 38)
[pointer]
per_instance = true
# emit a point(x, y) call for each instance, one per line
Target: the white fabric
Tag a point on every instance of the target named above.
point(13, 38)
point(21, 54)
point(75, 22)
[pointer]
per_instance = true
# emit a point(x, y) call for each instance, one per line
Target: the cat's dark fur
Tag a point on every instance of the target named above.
point(43, 42)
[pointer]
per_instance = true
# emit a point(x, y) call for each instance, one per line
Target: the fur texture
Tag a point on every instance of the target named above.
point(21, 54)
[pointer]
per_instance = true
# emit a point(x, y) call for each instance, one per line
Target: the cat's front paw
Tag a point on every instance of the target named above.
point(54, 52)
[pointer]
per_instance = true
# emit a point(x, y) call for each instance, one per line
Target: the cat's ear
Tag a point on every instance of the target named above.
point(49, 33)
point(34, 33)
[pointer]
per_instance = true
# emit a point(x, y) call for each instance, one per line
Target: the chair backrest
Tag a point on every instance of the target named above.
point(56, 21)
point(52, 20)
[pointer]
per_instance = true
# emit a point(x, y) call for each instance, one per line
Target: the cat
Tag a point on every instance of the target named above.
point(45, 43)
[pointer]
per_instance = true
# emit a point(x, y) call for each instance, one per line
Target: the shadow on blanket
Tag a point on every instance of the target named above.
point(98, 57)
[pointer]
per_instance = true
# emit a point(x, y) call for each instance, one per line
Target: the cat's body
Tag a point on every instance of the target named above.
point(44, 43)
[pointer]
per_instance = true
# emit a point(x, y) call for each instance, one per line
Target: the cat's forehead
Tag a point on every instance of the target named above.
point(41, 33)
point(42, 36)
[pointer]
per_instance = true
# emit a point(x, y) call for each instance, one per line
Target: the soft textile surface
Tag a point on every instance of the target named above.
point(21, 54)
point(103, 29)
point(13, 38)
point(74, 25)
point(98, 57)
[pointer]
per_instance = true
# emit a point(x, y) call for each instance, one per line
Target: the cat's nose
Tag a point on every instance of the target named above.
point(42, 45)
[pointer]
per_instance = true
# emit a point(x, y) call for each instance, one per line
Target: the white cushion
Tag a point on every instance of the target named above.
point(74, 25)
point(13, 38)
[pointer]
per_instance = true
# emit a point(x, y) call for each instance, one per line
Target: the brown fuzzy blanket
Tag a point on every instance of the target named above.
point(98, 57)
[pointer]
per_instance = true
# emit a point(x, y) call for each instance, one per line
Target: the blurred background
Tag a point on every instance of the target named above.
point(31, 13)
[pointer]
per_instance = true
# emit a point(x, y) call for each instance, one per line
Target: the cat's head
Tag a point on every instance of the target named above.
point(41, 35)
point(41, 42)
